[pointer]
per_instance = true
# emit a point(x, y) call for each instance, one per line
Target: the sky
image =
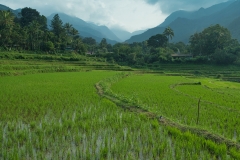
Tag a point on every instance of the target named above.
point(130, 15)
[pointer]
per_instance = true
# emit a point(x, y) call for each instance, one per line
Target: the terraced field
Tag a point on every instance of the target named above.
point(90, 109)
point(177, 98)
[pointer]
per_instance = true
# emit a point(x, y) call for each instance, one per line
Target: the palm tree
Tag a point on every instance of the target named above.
point(48, 36)
point(76, 44)
point(73, 35)
point(68, 27)
point(74, 32)
point(196, 44)
point(169, 33)
point(34, 34)
point(6, 19)
point(23, 40)
point(6, 26)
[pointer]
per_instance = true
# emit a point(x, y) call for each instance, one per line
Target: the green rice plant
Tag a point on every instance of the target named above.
point(61, 116)
point(158, 96)
point(235, 153)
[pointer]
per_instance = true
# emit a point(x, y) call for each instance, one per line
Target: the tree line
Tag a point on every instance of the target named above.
point(29, 31)
point(214, 45)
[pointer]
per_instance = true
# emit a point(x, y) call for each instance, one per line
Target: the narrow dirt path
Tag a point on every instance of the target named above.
point(164, 120)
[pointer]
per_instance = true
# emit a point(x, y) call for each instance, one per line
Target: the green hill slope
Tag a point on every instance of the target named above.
point(188, 23)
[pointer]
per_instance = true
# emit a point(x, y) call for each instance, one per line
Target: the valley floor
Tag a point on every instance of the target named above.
point(90, 109)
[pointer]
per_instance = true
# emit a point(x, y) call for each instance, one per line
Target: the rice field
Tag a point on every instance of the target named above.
point(177, 98)
point(52, 110)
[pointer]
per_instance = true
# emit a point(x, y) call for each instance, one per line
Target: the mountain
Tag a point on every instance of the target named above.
point(138, 32)
point(85, 29)
point(88, 29)
point(105, 31)
point(185, 24)
point(234, 28)
point(124, 35)
point(195, 14)
point(5, 8)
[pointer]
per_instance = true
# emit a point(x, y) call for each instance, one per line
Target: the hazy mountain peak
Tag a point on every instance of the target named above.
point(196, 14)
point(185, 23)
point(5, 8)
point(87, 29)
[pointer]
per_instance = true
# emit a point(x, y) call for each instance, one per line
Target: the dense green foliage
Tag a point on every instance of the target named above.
point(213, 45)
point(216, 44)
point(29, 31)
point(158, 40)
point(50, 107)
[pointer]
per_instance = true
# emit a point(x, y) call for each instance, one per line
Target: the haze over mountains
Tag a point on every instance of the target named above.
point(183, 23)
point(87, 29)
point(5, 8)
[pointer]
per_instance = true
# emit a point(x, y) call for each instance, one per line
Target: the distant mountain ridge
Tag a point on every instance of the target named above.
point(195, 14)
point(5, 8)
point(185, 24)
point(87, 29)
point(124, 35)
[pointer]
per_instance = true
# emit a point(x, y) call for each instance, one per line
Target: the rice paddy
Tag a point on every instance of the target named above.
point(52, 110)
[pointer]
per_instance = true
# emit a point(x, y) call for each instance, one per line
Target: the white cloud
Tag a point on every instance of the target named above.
point(169, 6)
point(129, 14)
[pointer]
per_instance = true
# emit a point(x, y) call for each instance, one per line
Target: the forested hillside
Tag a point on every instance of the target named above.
point(187, 23)
point(88, 29)
point(29, 31)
